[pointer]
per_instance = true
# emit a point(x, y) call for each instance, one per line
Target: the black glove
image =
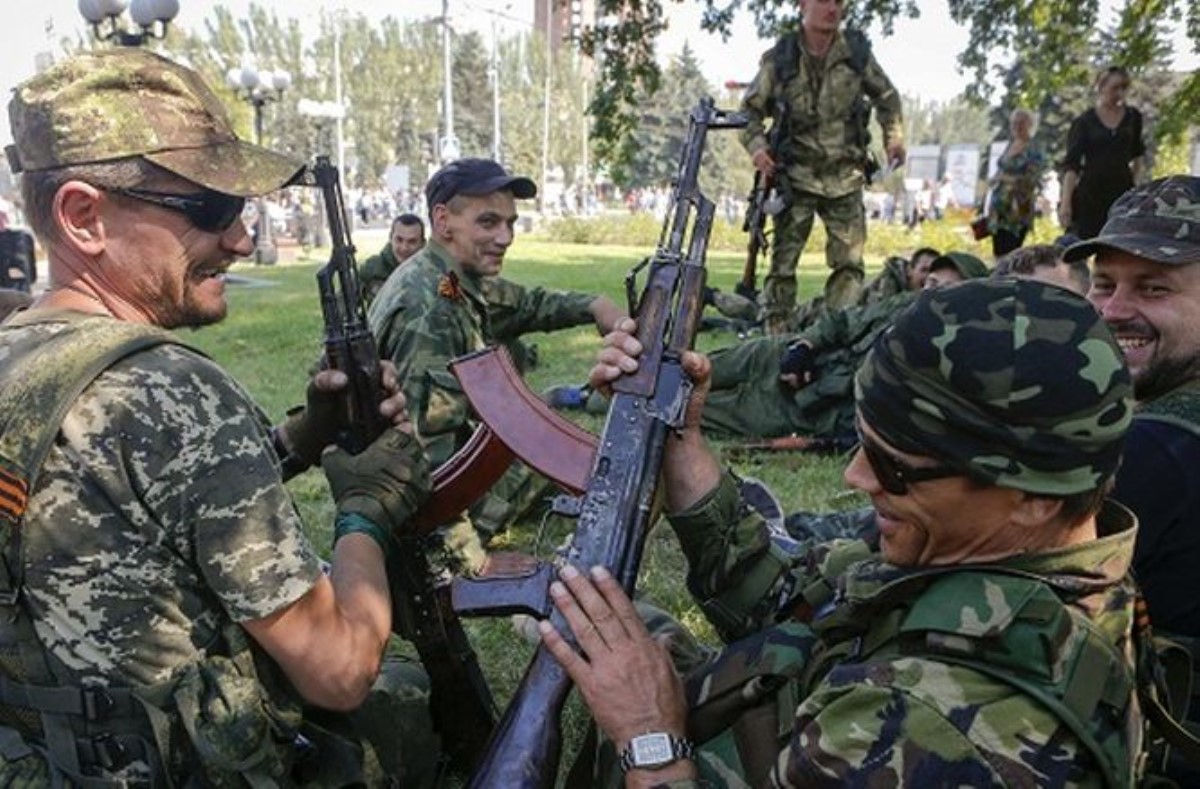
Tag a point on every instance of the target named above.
point(312, 427)
point(385, 483)
point(800, 361)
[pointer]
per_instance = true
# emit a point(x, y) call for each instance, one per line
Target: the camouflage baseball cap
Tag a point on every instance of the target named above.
point(968, 266)
point(475, 177)
point(122, 102)
point(1017, 383)
point(1158, 221)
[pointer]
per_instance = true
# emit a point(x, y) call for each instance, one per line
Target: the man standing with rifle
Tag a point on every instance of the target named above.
point(814, 85)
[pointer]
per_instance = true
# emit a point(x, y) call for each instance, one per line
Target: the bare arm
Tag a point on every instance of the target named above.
point(330, 641)
point(607, 313)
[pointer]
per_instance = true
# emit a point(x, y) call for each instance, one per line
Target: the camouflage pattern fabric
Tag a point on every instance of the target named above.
point(1159, 221)
point(887, 283)
point(747, 399)
point(431, 312)
point(140, 555)
point(374, 272)
point(119, 102)
point(112, 525)
point(823, 165)
point(886, 716)
point(963, 377)
point(846, 235)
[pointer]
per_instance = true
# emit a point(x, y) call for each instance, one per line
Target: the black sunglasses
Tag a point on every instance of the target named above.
point(894, 474)
point(212, 212)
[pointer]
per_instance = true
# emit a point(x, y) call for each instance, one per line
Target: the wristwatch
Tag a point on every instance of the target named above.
point(654, 751)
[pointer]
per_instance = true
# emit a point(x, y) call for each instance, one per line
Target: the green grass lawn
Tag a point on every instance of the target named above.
point(273, 336)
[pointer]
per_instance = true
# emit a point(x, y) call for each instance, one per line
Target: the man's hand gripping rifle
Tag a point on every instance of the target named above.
point(617, 505)
point(460, 701)
point(766, 199)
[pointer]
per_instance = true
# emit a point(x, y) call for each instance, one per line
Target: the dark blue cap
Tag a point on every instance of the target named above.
point(474, 177)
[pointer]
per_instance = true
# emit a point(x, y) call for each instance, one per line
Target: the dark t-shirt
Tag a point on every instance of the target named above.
point(1101, 157)
point(1157, 480)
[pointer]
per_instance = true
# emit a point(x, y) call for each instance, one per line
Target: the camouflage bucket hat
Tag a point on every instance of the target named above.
point(1159, 221)
point(1015, 382)
point(116, 103)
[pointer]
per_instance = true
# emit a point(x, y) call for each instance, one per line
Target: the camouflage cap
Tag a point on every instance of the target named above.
point(122, 102)
point(1017, 383)
point(1158, 221)
point(968, 266)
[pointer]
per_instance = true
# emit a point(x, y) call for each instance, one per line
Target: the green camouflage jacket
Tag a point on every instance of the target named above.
point(374, 272)
point(824, 153)
point(887, 283)
point(841, 340)
point(851, 711)
point(431, 312)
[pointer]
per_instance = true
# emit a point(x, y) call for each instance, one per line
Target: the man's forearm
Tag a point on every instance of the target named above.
point(690, 470)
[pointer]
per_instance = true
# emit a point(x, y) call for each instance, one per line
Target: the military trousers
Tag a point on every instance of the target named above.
point(846, 234)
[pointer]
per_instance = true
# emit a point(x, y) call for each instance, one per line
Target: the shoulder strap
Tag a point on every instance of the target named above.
point(37, 390)
point(787, 61)
point(860, 49)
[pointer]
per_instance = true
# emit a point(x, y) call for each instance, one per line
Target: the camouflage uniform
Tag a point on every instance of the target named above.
point(374, 272)
point(139, 555)
point(886, 716)
point(747, 398)
point(892, 280)
point(847, 671)
point(158, 520)
point(431, 312)
point(822, 161)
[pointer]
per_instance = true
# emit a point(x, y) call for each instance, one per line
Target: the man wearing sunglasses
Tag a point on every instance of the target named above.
point(983, 638)
point(167, 619)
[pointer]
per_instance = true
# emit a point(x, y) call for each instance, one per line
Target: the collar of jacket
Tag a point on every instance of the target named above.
point(471, 284)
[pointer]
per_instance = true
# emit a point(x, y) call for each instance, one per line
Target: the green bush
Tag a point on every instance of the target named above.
point(883, 240)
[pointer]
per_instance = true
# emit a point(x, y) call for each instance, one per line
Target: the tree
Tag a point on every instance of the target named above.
point(1055, 42)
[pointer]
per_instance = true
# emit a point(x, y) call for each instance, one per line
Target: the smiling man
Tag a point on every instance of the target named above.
point(1146, 284)
point(436, 307)
point(982, 640)
point(154, 560)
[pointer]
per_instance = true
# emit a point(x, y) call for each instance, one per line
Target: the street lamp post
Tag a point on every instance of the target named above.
point(151, 16)
point(260, 88)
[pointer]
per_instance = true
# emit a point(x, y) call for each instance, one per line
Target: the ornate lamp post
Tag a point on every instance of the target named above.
point(260, 88)
point(151, 16)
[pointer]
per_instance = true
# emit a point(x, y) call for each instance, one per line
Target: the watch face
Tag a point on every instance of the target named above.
point(651, 749)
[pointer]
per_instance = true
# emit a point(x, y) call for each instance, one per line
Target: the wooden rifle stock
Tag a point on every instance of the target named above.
point(616, 508)
point(514, 423)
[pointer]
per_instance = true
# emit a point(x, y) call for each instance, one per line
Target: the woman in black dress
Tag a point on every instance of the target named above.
point(1104, 156)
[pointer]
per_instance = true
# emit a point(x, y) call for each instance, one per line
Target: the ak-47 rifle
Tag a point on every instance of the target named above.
point(460, 702)
point(765, 199)
point(616, 508)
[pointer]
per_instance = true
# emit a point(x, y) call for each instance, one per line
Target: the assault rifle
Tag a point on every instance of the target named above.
point(460, 701)
point(616, 508)
point(766, 198)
